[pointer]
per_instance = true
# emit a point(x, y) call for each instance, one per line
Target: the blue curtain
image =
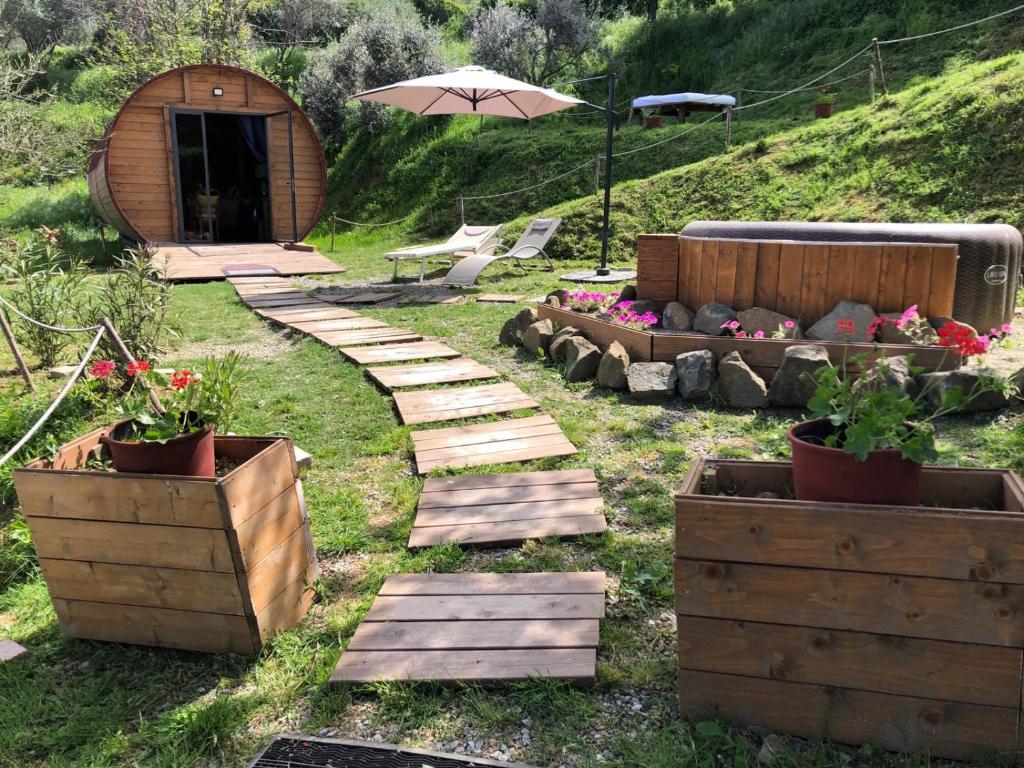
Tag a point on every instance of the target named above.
point(254, 131)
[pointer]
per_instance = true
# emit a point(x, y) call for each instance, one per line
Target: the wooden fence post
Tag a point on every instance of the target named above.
point(128, 359)
point(878, 64)
point(18, 359)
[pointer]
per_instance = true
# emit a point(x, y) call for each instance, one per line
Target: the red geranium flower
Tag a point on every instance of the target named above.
point(963, 340)
point(181, 379)
point(101, 369)
point(846, 326)
point(875, 326)
point(141, 366)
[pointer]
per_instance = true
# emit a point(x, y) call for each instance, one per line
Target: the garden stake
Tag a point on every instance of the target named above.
point(13, 344)
point(129, 359)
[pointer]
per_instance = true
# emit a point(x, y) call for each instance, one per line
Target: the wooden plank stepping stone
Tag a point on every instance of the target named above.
point(370, 297)
point(292, 315)
point(432, 405)
point(363, 336)
point(435, 298)
point(499, 298)
point(344, 324)
point(478, 627)
point(438, 372)
point(508, 508)
point(497, 442)
point(302, 300)
point(399, 353)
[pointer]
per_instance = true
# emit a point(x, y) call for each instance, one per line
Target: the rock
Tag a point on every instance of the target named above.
point(935, 385)
point(741, 387)
point(512, 331)
point(581, 359)
point(558, 295)
point(537, 338)
point(890, 334)
point(652, 381)
point(827, 329)
point(695, 372)
point(557, 348)
point(677, 317)
point(794, 382)
point(711, 317)
point(612, 370)
point(628, 293)
point(773, 744)
point(10, 650)
point(61, 371)
point(896, 374)
point(765, 320)
point(1018, 382)
point(303, 459)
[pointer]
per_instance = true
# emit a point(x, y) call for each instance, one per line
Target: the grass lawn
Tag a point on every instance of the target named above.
point(77, 703)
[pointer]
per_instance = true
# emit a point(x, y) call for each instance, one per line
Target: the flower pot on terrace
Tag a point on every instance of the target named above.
point(821, 473)
point(824, 109)
point(189, 455)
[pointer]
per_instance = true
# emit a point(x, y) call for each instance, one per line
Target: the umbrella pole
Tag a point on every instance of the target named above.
point(609, 133)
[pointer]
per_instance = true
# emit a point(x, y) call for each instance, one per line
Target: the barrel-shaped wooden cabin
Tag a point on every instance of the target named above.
point(209, 154)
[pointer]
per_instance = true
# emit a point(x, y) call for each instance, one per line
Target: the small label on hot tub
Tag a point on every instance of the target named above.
point(996, 274)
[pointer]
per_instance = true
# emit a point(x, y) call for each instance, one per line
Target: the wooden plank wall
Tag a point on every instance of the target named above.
point(800, 280)
point(862, 624)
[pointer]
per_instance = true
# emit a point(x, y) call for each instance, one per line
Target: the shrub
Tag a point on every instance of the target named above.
point(392, 45)
point(43, 23)
point(136, 302)
point(49, 286)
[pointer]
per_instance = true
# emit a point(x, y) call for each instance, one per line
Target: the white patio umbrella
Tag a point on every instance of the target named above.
point(477, 91)
point(471, 91)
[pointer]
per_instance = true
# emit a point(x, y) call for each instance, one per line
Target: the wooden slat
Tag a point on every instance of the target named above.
point(474, 635)
point(346, 324)
point(975, 674)
point(507, 479)
point(483, 513)
point(842, 263)
point(790, 279)
point(909, 606)
point(746, 276)
point(297, 317)
point(570, 583)
point(163, 627)
point(263, 531)
point(708, 273)
point(285, 563)
point(867, 274)
point(290, 606)
point(423, 374)
point(576, 665)
point(398, 353)
point(891, 278)
point(264, 477)
point(143, 585)
point(814, 283)
point(941, 544)
point(163, 546)
point(510, 494)
point(766, 288)
point(497, 442)
point(940, 296)
point(507, 532)
point(725, 286)
point(366, 336)
point(849, 716)
point(918, 281)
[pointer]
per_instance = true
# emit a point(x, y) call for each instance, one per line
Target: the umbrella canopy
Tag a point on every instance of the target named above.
point(471, 91)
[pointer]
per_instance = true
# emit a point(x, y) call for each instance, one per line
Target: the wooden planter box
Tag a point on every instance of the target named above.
point(863, 624)
point(763, 355)
point(202, 564)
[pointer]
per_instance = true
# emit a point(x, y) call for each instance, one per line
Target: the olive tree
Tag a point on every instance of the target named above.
point(534, 47)
point(39, 24)
point(394, 44)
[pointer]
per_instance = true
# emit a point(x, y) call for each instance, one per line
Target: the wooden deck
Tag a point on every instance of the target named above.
point(481, 628)
point(508, 509)
point(181, 263)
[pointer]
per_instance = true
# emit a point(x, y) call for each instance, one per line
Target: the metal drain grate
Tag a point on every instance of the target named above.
point(301, 752)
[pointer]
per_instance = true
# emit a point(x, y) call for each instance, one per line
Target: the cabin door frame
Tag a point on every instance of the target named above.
point(179, 201)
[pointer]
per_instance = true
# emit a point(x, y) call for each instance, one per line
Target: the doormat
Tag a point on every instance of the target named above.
point(298, 751)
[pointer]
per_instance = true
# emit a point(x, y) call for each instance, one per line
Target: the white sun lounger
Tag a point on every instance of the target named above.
point(468, 238)
point(531, 244)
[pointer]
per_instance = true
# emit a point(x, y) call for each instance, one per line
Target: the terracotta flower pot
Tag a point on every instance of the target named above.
point(821, 473)
point(190, 455)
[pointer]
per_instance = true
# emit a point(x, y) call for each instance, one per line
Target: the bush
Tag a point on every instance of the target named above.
point(392, 45)
point(49, 286)
point(136, 302)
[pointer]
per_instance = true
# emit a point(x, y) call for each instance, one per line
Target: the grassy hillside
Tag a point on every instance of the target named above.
point(947, 149)
point(425, 163)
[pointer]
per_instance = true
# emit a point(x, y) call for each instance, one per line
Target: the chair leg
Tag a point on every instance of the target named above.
point(423, 269)
point(394, 271)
